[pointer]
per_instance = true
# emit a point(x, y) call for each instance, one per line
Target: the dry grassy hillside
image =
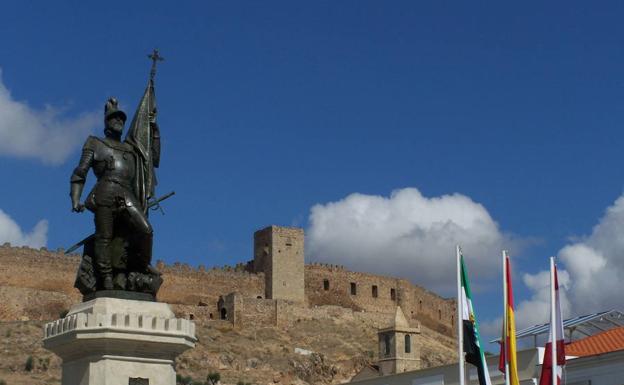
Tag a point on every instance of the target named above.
point(339, 340)
point(258, 355)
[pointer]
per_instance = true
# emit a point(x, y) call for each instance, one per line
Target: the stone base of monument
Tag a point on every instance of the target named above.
point(110, 341)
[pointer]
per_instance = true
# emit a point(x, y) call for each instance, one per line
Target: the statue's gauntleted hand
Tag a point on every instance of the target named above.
point(77, 207)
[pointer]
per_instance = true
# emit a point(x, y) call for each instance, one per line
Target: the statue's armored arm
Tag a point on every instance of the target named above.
point(79, 176)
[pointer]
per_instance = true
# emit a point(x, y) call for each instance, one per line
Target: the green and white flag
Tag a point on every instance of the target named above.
point(471, 339)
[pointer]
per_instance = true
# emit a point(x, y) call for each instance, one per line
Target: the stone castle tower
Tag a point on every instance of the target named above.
point(398, 348)
point(278, 252)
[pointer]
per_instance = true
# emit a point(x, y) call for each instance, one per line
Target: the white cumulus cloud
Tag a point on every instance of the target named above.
point(536, 310)
point(593, 279)
point(11, 232)
point(407, 235)
point(45, 134)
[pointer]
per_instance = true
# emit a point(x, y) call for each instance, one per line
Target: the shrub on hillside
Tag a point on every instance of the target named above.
point(30, 364)
point(44, 363)
point(213, 378)
point(184, 380)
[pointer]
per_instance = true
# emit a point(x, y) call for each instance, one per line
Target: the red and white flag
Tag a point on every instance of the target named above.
point(556, 324)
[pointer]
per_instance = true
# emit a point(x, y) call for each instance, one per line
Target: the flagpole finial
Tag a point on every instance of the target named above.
point(155, 56)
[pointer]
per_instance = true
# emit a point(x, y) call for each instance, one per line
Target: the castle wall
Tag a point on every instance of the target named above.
point(45, 279)
point(332, 284)
point(38, 269)
point(260, 312)
point(186, 285)
point(193, 312)
point(35, 284)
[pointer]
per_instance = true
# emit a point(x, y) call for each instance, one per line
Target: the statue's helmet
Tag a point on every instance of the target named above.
point(111, 109)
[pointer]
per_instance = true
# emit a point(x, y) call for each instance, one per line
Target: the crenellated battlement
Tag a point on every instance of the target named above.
point(197, 290)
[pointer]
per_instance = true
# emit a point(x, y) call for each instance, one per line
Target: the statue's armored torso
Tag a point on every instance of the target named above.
point(113, 161)
point(114, 165)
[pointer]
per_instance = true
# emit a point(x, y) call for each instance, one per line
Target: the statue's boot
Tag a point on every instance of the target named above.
point(144, 250)
point(103, 262)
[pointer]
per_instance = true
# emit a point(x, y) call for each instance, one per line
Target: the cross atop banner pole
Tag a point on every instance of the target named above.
point(155, 56)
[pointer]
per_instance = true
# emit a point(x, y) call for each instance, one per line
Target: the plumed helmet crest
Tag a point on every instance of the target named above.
point(112, 109)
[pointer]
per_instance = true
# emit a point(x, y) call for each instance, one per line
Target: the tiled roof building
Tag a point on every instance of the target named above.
point(605, 342)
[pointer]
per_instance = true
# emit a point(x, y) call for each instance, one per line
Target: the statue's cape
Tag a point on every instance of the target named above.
point(140, 136)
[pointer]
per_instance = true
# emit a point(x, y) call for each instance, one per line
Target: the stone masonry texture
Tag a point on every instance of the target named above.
point(274, 288)
point(278, 252)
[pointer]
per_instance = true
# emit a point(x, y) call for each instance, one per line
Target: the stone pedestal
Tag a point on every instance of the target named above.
point(109, 341)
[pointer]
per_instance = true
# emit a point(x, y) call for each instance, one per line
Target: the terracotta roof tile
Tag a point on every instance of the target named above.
point(605, 342)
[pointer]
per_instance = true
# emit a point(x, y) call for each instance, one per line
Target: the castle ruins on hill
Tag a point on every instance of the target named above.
point(275, 288)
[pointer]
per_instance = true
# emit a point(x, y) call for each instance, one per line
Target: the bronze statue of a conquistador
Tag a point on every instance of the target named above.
point(113, 200)
point(117, 258)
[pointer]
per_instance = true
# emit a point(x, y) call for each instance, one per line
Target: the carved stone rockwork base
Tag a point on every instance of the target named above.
point(110, 341)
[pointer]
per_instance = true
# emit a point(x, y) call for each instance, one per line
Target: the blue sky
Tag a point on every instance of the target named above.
point(270, 108)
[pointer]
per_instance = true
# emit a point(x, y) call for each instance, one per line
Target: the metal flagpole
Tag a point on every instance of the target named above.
point(460, 319)
point(505, 318)
point(553, 323)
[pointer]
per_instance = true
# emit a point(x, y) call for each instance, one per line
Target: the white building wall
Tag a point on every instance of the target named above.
point(605, 369)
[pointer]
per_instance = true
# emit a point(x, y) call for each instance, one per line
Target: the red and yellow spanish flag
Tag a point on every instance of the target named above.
point(508, 362)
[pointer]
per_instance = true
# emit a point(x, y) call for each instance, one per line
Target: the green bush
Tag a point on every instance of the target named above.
point(3, 382)
point(213, 378)
point(44, 363)
point(30, 364)
point(184, 380)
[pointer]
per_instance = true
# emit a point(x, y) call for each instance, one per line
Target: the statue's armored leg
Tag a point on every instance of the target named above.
point(103, 236)
point(142, 234)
